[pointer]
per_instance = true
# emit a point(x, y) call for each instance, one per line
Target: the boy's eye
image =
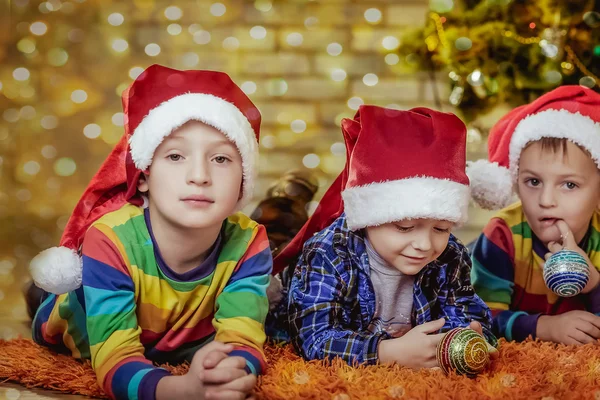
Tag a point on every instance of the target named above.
point(570, 185)
point(403, 228)
point(532, 181)
point(221, 159)
point(174, 157)
point(442, 230)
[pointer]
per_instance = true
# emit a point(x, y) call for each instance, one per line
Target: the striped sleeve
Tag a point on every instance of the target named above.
point(461, 304)
point(593, 252)
point(593, 303)
point(116, 351)
point(492, 275)
point(241, 309)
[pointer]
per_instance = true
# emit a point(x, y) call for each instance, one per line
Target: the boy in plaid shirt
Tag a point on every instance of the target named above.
point(385, 277)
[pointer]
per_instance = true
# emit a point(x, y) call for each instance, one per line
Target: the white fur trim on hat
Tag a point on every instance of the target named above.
point(578, 128)
point(418, 197)
point(56, 270)
point(491, 185)
point(211, 110)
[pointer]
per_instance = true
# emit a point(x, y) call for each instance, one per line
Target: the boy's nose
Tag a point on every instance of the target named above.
point(547, 198)
point(422, 243)
point(199, 174)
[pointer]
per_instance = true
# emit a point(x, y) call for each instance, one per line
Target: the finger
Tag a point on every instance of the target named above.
point(588, 328)
point(591, 318)
point(436, 338)
point(547, 255)
point(223, 375)
point(241, 386)
point(493, 352)
point(431, 326)
point(224, 395)
point(244, 384)
point(228, 362)
point(554, 247)
point(580, 338)
point(213, 359)
point(568, 241)
point(476, 326)
point(215, 346)
point(431, 363)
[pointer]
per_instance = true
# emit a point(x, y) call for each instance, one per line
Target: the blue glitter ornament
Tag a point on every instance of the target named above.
point(566, 273)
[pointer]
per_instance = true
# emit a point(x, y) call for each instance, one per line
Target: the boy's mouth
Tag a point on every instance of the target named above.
point(548, 221)
point(414, 258)
point(197, 200)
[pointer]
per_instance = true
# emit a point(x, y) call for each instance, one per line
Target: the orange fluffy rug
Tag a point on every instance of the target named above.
point(529, 370)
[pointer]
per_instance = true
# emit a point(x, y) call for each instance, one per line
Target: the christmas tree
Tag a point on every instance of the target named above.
point(507, 51)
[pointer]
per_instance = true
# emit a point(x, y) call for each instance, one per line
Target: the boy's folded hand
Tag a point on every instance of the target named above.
point(228, 379)
point(191, 385)
point(573, 327)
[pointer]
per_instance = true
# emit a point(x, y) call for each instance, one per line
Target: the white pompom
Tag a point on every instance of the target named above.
point(274, 292)
point(491, 185)
point(56, 270)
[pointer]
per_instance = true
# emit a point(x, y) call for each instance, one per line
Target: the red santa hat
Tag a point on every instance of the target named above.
point(399, 165)
point(569, 112)
point(159, 101)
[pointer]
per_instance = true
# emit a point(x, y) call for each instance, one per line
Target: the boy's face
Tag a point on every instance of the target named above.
point(195, 178)
point(409, 245)
point(554, 186)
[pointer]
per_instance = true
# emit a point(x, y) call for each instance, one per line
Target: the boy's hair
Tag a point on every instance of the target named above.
point(556, 145)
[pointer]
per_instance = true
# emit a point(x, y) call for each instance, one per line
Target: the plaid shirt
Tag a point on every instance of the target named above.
point(332, 300)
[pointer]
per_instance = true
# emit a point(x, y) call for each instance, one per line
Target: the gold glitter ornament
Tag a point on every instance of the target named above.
point(464, 351)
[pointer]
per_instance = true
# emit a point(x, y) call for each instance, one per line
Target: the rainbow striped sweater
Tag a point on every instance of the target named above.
point(507, 273)
point(133, 310)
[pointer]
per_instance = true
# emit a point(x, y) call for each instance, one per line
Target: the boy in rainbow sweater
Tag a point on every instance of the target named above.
point(156, 264)
point(549, 151)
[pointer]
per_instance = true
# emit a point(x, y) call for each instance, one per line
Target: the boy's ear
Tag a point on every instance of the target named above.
point(143, 183)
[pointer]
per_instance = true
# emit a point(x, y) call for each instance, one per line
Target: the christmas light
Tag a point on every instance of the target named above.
point(338, 74)
point(334, 49)
point(218, 9)
point(355, 102)
point(311, 160)
point(298, 126)
point(248, 87)
point(294, 39)
point(370, 79)
point(390, 43)
point(392, 59)
point(373, 15)
point(258, 32)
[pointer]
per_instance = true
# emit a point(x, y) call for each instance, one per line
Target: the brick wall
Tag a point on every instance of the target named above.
point(288, 80)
